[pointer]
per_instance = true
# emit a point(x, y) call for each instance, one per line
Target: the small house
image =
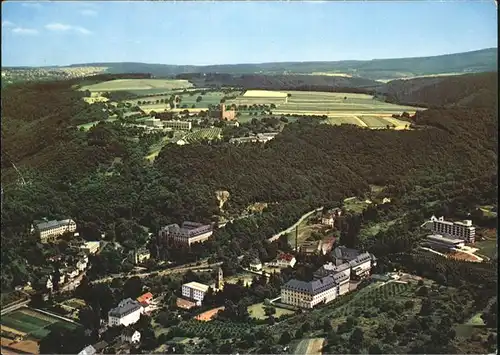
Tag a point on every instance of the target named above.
point(256, 265)
point(131, 336)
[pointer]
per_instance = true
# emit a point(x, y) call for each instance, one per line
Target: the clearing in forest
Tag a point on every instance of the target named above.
point(138, 85)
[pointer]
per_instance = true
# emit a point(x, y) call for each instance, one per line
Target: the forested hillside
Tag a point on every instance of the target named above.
point(472, 90)
point(308, 165)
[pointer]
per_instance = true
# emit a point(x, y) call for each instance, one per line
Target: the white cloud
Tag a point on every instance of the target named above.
point(33, 5)
point(60, 27)
point(82, 30)
point(57, 27)
point(7, 24)
point(88, 12)
point(25, 31)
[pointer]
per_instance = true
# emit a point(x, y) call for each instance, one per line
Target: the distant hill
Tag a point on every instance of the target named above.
point(472, 90)
point(378, 69)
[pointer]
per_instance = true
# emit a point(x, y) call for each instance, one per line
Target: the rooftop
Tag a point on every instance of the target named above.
point(311, 287)
point(125, 307)
point(45, 225)
point(286, 257)
point(440, 238)
point(197, 286)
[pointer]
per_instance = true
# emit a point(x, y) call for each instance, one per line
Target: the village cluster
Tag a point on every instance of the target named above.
point(332, 280)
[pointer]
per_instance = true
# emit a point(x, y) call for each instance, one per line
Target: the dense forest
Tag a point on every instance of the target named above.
point(308, 165)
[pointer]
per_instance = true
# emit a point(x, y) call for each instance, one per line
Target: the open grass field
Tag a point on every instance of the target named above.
point(312, 346)
point(144, 86)
point(354, 204)
point(257, 311)
point(204, 133)
point(32, 322)
point(210, 98)
point(87, 126)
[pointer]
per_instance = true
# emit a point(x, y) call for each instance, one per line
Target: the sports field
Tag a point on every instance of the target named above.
point(31, 322)
point(138, 85)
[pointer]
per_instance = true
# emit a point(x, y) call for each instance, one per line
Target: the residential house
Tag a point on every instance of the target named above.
point(256, 265)
point(72, 273)
point(48, 283)
point(140, 255)
point(131, 336)
point(145, 300)
point(81, 264)
point(285, 260)
point(127, 312)
point(327, 245)
point(195, 291)
point(328, 220)
point(310, 247)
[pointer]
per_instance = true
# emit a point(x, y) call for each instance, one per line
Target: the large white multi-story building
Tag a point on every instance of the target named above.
point(330, 281)
point(308, 294)
point(48, 230)
point(195, 291)
point(127, 312)
point(179, 125)
point(459, 230)
point(189, 233)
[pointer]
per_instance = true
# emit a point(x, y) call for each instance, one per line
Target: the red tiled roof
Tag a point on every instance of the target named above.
point(182, 303)
point(286, 257)
point(146, 298)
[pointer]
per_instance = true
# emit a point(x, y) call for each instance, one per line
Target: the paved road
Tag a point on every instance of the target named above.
point(174, 270)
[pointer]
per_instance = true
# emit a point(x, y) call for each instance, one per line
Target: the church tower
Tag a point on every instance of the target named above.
point(219, 283)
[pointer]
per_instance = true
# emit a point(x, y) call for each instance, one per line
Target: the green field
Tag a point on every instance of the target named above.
point(32, 322)
point(257, 311)
point(204, 133)
point(140, 86)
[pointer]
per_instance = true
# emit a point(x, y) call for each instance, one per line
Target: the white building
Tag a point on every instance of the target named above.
point(284, 260)
point(189, 233)
point(141, 255)
point(127, 312)
point(178, 125)
point(439, 241)
point(256, 265)
point(91, 247)
point(459, 230)
point(194, 291)
point(131, 336)
point(48, 230)
point(308, 294)
point(328, 221)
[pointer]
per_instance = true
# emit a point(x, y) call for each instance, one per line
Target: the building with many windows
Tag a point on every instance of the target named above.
point(49, 230)
point(194, 291)
point(330, 281)
point(437, 241)
point(308, 294)
point(127, 312)
point(460, 230)
point(189, 233)
point(178, 125)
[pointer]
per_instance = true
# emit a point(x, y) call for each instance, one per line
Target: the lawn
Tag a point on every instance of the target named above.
point(138, 85)
point(354, 204)
point(257, 311)
point(32, 322)
point(487, 247)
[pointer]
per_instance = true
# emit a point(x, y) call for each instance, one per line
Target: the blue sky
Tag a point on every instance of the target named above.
point(213, 32)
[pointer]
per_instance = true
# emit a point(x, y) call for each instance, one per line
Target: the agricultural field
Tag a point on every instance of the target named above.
point(265, 93)
point(210, 98)
point(257, 311)
point(312, 346)
point(215, 327)
point(138, 86)
point(31, 322)
point(204, 133)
